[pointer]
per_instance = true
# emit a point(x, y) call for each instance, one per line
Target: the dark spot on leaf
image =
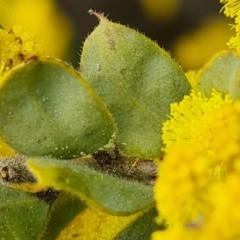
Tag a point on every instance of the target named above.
point(42, 138)
point(61, 179)
point(112, 44)
point(107, 33)
point(122, 71)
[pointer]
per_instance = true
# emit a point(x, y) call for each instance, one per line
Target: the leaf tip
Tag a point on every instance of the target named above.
point(100, 16)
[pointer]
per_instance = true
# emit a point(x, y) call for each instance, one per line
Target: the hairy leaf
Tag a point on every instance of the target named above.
point(222, 73)
point(63, 211)
point(111, 194)
point(49, 109)
point(142, 227)
point(137, 80)
point(22, 216)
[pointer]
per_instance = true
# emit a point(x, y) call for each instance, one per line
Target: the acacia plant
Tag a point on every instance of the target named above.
point(81, 147)
point(114, 104)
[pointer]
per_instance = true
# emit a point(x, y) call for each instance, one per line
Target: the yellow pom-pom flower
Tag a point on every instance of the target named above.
point(191, 117)
point(179, 190)
point(16, 45)
point(44, 19)
point(197, 191)
point(232, 9)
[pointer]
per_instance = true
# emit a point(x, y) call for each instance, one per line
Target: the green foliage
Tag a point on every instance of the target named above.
point(142, 227)
point(137, 80)
point(52, 110)
point(67, 209)
point(222, 73)
point(114, 195)
point(63, 211)
point(49, 111)
point(22, 216)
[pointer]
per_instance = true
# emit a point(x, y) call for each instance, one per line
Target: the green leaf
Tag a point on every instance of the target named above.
point(63, 211)
point(49, 109)
point(70, 219)
point(141, 228)
point(22, 216)
point(137, 80)
point(111, 194)
point(222, 73)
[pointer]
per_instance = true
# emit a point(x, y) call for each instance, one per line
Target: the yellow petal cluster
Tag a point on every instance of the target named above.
point(191, 117)
point(44, 19)
point(180, 188)
point(16, 45)
point(197, 191)
point(232, 9)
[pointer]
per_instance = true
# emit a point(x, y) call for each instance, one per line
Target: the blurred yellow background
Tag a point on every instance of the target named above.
point(192, 30)
point(44, 19)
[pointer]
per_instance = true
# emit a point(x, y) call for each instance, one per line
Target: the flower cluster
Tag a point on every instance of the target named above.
point(16, 46)
point(199, 176)
point(44, 19)
point(232, 9)
point(198, 187)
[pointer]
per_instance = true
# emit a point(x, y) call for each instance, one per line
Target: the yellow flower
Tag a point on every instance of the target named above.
point(191, 117)
point(16, 45)
point(197, 190)
point(225, 218)
point(225, 134)
point(232, 9)
point(176, 233)
point(42, 18)
point(180, 189)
